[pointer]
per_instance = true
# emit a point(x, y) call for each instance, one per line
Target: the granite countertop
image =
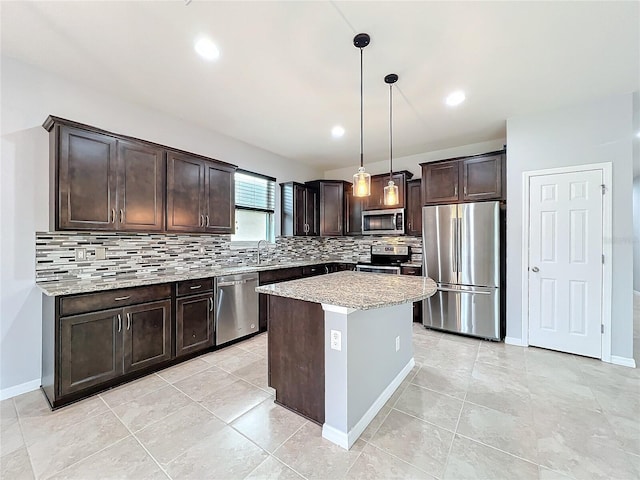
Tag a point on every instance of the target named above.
point(358, 290)
point(112, 282)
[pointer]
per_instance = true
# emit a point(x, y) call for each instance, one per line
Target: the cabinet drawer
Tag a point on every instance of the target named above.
point(312, 270)
point(416, 271)
point(280, 275)
point(90, 302)
point(192, 287)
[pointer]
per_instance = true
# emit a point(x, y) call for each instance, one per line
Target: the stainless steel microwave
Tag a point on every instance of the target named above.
point(383, 222)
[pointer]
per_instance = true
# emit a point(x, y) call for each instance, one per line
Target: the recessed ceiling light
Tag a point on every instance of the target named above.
point(206, 49)
point(455, 98)
point(337, 131)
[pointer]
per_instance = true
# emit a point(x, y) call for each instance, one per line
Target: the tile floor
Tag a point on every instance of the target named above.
point(469, 409)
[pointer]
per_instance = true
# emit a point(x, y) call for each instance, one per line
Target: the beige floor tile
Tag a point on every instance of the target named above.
point(175, 434)
point(16, 465)
point(183, 370)
point(273, 469)
point(312, 456)
point(402, 387)
point(500, 430)
point(150, 408)
point(57, 450)
point(627, 431)
point(414, 441)
point(268, 424)
point(373, 427)
point(618, 401)
point(225, 455)
point(502, 355)
point(11, 438)
point(546, 363)
point(38, 421)
point(635, 463)
point(132, 390)
point(374, 464)
point(501, 389)
point(546, 474)
point(238, 361)
point(472, 460)
point(234, 400)
point(437, 408)
point(451, 381)
point(123, 461)
point(8, 413)
point(224, 354)
point(204, 384)
point(426, 341)
point(255, 373)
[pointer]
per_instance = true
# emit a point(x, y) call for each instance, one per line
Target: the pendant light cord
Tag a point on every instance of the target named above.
point(390, 132)
point(361, 114)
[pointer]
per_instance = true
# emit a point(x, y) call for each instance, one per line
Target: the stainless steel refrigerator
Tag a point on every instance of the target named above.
point(461, 252)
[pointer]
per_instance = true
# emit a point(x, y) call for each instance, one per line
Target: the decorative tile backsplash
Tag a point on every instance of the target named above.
point(145, 253)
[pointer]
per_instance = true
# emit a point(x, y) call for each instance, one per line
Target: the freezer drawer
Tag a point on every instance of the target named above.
point(469, 310)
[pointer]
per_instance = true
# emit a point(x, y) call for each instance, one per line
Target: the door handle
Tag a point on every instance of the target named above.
point(207, 217)
point(119, 323)
point(211, 304)
point(121, 215)
point(113, 215)
point(128, 321)
point(201, 223)
point(535, 269)
point(117, 299)
point(195, 287)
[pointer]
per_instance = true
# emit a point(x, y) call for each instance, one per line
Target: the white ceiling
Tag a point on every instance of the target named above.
point(288, 71)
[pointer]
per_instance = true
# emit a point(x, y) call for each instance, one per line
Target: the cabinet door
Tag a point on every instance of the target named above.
point(353, 206)
point(185, 193)
point(311, 212)
point(331, 209)
point(90, 350)
point(147, 334)
point(440, 182)
point(194, 323)
point(414, 207)
point(141, 173)
point(299, 210)
point(220, 199)
point(375, 201)
point(86, 180)
point(482, 178)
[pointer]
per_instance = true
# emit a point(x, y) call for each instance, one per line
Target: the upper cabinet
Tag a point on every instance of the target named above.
point(375, 201)
point(466, 179)
point(200, 195)
point(109, 182)
point(299, 215)
point(332, 206)
point(414, 207)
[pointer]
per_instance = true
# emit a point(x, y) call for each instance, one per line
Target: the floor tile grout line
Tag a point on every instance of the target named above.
point(24, 442)
point(466, 437)
point(455, 431)
point(289, 438)
point(398, 458)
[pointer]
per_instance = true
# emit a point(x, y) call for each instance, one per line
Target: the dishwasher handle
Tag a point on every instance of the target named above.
point(235, 282)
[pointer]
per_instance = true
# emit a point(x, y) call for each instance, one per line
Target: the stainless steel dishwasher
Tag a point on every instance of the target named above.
point(236, 312)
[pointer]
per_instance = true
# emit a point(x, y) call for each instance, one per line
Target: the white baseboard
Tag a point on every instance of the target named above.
point(346, 440)
point(16, 390)
point(624, 361)
point(514, 341)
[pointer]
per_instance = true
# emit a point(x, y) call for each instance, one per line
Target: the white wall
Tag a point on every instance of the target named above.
point(28, 96)
point(595, 132)
point(636, 234)
point(412, 162)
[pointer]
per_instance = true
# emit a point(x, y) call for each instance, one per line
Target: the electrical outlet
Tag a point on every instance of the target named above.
point(81, 253)
point(336, 340)
point(101, 253)
point(397, 344)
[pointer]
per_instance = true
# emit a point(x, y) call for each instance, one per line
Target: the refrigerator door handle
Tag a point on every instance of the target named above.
point(455, 245)
point(459, 290)
point(459, 252)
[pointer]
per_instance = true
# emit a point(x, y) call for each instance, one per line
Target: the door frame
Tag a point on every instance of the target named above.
point(607, 212)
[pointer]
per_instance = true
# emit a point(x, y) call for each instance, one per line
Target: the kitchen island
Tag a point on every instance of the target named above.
point(340, 345)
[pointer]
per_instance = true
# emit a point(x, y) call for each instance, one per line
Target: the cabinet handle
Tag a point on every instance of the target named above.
point(121, 216)
point(211, 304)
point(409, 225)
point(326, 269)
point(119, 323)
point(201, 222)
point(207, 217)
point(195, 287)
point(113, 215)
point(455, 191)
point(117, 299)
point(128, 321)
point(465, 190)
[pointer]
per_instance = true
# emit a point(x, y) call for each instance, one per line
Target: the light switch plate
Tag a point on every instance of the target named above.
point(336, 340)
point(81, 253)
point(101, 253)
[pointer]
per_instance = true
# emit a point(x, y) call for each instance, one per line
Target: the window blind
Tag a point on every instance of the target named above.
point(255, 192)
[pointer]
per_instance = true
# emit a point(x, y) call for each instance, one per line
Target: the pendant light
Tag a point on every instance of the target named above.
point(391, 190)
point(361, 180)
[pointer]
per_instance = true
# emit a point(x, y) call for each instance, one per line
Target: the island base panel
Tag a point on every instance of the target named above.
point(296, 356)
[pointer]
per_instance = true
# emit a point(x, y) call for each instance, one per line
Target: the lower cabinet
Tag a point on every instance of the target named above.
point(417, 306)
point(194, 323)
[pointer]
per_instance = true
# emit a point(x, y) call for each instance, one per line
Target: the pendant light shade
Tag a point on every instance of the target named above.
point(361, 180)
point(391, 190)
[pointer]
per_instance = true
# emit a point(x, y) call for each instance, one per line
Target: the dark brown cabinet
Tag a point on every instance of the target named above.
point(414, 207)
point(353, 208)
point(331, 205)
point(106, 183)
point(87, 344)
point(375, 201)
point(200, 195)
point(417, 306)
point(466, 179)
point(194, 316)
point(299, 214)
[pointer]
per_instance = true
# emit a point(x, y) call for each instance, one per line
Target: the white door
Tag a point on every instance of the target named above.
point(565, 262)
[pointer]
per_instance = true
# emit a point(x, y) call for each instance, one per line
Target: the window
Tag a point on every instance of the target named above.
point(255, 207)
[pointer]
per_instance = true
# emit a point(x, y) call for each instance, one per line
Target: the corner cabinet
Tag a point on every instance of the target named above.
point(92, 339)
point(464, 179)
point(105, 183)
point(200, 195)
point(375, 201)
point(299, 211)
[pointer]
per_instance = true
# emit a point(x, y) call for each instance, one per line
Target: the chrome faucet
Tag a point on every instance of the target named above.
point(261, 242)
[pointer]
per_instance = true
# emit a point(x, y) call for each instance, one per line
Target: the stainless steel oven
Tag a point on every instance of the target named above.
point(386, 258)
point(383, 222)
